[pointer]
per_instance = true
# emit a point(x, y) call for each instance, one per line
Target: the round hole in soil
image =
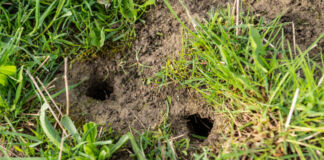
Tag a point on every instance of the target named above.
point(99, 90)
point(199, 127)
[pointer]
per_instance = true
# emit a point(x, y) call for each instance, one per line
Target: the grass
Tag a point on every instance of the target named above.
point(252, 79)
point(37, 32)
point(272, 97)
point(35, 36)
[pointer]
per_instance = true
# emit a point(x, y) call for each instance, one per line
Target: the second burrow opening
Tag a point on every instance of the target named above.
point(199, 128)
point(99, 89)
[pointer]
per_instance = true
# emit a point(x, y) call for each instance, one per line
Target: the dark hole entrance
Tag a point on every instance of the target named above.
point(99, 90)
point(199, 127)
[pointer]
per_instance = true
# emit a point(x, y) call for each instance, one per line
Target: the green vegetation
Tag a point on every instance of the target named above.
point(272, 97)
point(32, 31)
point(85, 147)
point(253, 78)
point(35, 35)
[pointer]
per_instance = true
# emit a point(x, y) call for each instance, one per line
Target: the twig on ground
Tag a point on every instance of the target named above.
point(292, 108)
point(294, 38)
point(177, 137)
point(310, 136)
point(237, 16)
point(233, 9)
point(100, 132)
point(67, 103)
point(66, 86)
point(31, 114)
point(48, 86)
point(61, 146)
point(51, 82)
point(41, 65)
point(271, 45)
point(173, 150)
point(320, 81)
point(49, 95)
point(315, 45)
point(45, 101)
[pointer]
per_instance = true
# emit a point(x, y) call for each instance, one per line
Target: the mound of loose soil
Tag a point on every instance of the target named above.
point(119, 92)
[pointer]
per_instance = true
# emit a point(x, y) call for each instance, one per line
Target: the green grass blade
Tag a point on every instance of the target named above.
point(58, 11)
point(48, 128)
point(20, 86)
point(69, 125)
point(140, 155)
point(37, 17)
point(33, 138)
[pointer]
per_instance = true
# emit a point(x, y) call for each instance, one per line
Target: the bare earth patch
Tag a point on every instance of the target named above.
point(120, 93)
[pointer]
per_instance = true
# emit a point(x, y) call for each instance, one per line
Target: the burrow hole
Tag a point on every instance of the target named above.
point(99, 90)
point(199, 128)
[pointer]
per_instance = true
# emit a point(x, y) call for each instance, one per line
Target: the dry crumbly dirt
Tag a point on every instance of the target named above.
point(119, 92)
point(307, 15)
